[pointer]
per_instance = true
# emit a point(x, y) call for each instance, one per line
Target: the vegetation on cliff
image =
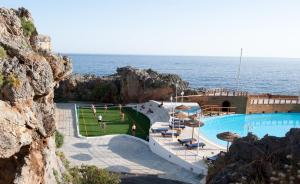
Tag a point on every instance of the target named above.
point(92, 175)
point(3, 54)
point(28, 27)
point(59, 139)
point(84, 174)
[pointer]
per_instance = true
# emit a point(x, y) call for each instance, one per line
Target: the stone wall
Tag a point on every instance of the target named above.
point(272, 108)
point(242, 104)
point(42, 43)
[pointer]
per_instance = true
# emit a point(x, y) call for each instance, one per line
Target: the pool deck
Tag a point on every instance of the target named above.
point(160, 118)
point(119, 153)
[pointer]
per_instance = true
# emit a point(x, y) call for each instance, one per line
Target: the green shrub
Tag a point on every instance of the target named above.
point(67, 178)
point(93, 175)
point(59, 139)
point(55, 173)
point(104, 92)
point(3, 54)
point(63, 158)
point(13, 80)
point(1, 80)
point(28, 27)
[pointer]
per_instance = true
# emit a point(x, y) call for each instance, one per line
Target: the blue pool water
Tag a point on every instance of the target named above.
point(260, 124)
point(192, 110)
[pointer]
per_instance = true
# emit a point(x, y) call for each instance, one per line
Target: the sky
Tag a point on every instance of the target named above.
point(263, 28)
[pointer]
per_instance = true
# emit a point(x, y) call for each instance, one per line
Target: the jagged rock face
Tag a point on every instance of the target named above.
point(142, 85)
point(127, 85)
point(268, 160)
point(26, 100)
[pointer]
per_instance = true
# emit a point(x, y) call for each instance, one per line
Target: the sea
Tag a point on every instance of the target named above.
point(257, 75)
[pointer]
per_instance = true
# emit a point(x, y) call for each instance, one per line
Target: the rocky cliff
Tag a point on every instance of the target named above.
point(128, 84)
point(27, 79)
point(268, 160)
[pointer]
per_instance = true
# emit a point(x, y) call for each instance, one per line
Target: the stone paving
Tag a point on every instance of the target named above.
point(117, 153)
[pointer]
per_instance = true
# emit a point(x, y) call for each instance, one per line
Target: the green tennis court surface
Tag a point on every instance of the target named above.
point(89, 126)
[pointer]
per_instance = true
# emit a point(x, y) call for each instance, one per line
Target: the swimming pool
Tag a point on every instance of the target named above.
point(192, 110)
point(260, 124)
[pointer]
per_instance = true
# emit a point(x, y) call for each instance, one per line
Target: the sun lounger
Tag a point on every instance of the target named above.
point(184, 141)
point(175, 122)
point(212, 158)
point(158, 130)
point(194, 145)
point(177, 126)
point(169, 134)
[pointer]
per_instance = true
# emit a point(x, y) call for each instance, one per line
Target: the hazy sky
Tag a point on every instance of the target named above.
point(169, 27)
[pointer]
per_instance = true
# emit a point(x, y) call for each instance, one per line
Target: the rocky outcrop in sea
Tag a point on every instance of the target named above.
point(268, 160)
point(28, 74)
point(127, 85)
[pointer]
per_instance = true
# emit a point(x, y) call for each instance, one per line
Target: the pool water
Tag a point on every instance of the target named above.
point(260, 124)
point(192, 110)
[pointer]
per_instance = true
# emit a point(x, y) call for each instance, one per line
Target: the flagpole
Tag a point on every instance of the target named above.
point(239, 71)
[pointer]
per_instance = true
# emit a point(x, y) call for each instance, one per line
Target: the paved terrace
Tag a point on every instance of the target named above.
point(160, 118)
point(119, 153)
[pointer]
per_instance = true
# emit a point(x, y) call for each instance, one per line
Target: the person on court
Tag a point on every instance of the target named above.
point(133, 129)
point(99, 119)
point(105, 108)
point(94, 110)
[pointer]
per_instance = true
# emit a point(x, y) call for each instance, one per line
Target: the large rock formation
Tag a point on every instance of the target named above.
point(269, 160)
point(27, 79)
point(127, 85)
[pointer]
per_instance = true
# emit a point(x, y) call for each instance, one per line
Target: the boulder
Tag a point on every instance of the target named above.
point(268, 160)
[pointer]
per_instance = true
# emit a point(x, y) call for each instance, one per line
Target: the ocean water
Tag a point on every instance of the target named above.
point(258, 75)
point(259, 124)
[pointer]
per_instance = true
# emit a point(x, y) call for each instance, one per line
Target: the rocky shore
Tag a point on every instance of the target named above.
point(127, 85)
point(268, 160)
point(29, 71)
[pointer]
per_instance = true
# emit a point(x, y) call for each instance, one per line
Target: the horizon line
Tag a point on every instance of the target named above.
point(170, 55)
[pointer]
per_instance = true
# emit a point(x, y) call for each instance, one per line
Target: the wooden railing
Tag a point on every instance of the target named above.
point(217, 110)
point(217, 92)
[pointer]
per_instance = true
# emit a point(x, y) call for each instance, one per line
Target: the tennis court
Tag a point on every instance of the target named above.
point(114, 124)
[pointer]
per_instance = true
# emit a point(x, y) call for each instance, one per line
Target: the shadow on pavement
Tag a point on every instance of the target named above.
point(118, 169)
point(147, 179)
point(82, 157)
point(82, 145)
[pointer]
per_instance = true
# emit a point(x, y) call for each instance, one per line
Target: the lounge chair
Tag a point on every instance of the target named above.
point(194, 145)
point(177, 123)
point(169, 134)
point(184, 141)
point(177, 126)
point(213, 158)
point(158, 130)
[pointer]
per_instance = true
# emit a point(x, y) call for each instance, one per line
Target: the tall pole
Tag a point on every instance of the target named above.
point(239, 71)
point(172, 106)
point(176, 85)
